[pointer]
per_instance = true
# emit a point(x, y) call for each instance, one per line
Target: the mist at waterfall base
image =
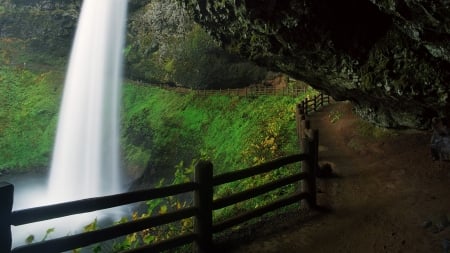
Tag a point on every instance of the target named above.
point(86, 159)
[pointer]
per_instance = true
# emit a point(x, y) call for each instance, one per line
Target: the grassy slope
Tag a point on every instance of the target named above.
point(27, 118)
point(233, 132)
point(30, 87)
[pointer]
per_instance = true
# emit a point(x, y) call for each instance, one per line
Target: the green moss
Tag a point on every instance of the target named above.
point(27, 118)
point(369, 130)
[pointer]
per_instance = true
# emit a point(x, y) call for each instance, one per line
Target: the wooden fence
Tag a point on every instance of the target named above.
point(242, 92)
point(202, 189)
point(303, 109)
point(313, 104)
point(204, 205)
point(305, 132)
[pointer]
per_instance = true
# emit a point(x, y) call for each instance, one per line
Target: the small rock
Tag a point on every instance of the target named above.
point(427, 224)
point(438, 228)
point(325, 170)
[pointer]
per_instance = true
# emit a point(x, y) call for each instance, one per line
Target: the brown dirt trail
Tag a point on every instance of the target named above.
point(388, 196)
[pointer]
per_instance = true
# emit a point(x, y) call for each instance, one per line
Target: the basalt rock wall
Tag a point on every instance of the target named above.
point(391, 58)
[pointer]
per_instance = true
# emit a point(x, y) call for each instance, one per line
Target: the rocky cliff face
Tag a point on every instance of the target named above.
point(47, 25)
point(391, 58)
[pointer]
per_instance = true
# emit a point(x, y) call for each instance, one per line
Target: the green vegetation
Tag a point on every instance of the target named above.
point(234, 132)
point(335, 115)
point(27, 118)
point(370, 131)
point(30, 87)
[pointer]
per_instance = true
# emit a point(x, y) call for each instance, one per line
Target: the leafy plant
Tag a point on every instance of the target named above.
point(159, 207)
point(30, 239)
point(335, 115)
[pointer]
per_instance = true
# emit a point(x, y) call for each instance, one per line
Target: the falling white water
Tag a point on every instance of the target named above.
point(86, 152)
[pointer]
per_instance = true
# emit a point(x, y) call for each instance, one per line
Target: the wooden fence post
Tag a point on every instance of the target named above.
point(305, 106)
point(314, 151)
point(203, 198)
point(306, 125)
point(305, 148)
point(305, 167)
point(310, 147)
point(7, 197)
point(298, 118)
point(315, 102)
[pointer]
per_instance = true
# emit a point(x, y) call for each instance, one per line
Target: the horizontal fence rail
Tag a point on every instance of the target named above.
point(202, 189)
point(89, 238)
point(37, 214)
point(259, 169)
point(284, 201)
point(251, 193)
point(242, 92)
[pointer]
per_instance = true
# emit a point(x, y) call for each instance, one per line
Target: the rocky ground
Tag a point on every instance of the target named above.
point(388, 195)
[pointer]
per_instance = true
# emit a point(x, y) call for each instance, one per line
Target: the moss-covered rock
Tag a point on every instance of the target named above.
point(47, 25)
point(165, 45)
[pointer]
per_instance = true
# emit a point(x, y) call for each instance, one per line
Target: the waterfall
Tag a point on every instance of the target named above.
point(86, 159)
point(86, 152)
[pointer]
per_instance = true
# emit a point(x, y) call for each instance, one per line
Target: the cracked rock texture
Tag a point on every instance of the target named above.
point(390, 58)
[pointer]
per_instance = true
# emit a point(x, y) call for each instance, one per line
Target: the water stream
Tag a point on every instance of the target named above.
point(86, 159)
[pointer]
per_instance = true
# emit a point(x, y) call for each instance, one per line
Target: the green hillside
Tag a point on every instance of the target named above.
point(162, 128)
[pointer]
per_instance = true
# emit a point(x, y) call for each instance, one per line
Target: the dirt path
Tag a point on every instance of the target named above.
point(389, 195)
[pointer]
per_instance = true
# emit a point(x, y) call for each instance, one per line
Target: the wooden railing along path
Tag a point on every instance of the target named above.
point(202, 189)
point(242, 92)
